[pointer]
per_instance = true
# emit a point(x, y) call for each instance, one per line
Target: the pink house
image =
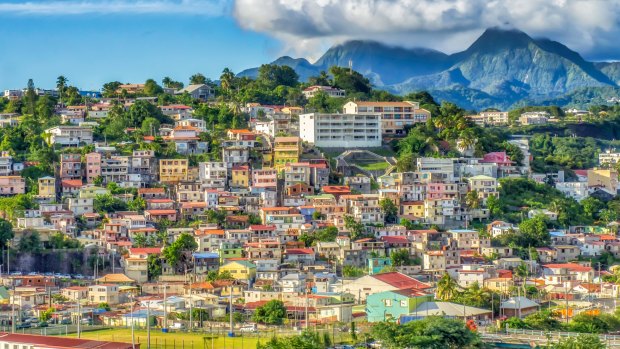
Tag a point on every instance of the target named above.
point(12, 185)
point(158, 215)
point(93, 166)
point(505, 166)
point(265, 178)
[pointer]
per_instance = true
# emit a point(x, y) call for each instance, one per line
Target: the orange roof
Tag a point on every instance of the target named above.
point(569, 266)
point(160, 212)
point(193, 204)
point(151, 190)
point(236, 131)
point(76, 183)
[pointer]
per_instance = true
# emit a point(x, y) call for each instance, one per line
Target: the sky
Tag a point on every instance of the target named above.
point(95, 41)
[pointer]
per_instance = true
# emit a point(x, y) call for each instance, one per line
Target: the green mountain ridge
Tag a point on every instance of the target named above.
point(500, 69)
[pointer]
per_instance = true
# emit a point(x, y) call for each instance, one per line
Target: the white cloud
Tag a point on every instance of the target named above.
point(78, 7)
point(304, 26)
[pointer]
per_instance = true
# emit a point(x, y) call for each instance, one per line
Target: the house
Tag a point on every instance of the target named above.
point(75, 293)
point(240, 269)
point(394, 116)
point(560, 273)
point(494, 118)
point(158, 215)
point(103, 293)
point(299, 255)
point(12, 185)
point(333, 92)
point(366, 285)
point(341, 130)
point(293, 283)
point(197, 91)
point(382, 306)
point(286, 150)
point(448, 309)
point(603, 178)
point(377, 264)
point(47, 187)
point(518, 307)
point(240, 176)
point(69, 135)
point(173, 170)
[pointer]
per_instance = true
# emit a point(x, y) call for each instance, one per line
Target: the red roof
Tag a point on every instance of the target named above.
point(145, 250)
point(75, 183)
point(400, 281)
point(395, 239)
point(61, 342)
point(262, 227)
point(499, 157)
point(299, 251)
point(160, 212)
point(569, 266)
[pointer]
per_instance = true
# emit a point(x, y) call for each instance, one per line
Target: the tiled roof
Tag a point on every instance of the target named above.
point(400, 281)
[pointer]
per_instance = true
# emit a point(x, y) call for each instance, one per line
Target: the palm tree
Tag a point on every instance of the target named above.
point(226, 79)
point(447, 288)
point(166, 81)
point(472, 200)
point(522, 272)
point(61, 83)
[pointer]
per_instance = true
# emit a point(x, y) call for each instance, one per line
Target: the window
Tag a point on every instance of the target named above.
point(387, 302)
point(403, 304)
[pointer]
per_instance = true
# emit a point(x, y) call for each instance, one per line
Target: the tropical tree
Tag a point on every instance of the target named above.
point(197, 79)
point(447, 288)
point(226, 79)
point(61, 83)
point(272, 313)
point(389, 209)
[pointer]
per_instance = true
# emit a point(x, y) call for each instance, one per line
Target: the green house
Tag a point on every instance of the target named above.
point(230, 250)
point(377, 264)
point(392, 304)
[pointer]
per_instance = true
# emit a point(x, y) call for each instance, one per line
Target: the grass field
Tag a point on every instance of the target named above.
point(182, 340)
point(374, 166)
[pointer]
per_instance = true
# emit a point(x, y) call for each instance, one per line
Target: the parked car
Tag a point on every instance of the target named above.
point(249, 328)
point(23, 325)
point(177, 326)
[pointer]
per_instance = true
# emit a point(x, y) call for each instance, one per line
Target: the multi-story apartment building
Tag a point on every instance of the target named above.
point(235, 155)
point(115, 169)
point(93, 166)
point(265, 178)
point(494, 118)
point(213, 174)
point(485, 186)
point(144, 163)
point(69, 135)
point(286, 150)
point(173, 170)
point(534, 118)
point(70, 166)
point(341, 130)
point(12, 185)
point(395, 116)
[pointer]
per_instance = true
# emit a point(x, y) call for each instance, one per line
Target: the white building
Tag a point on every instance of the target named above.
point(341, 130)
point(608, 157)
point(495, 118)
point(69, 135)
point(395, 116)
point(328, 90)
point(534, 118)
point(575, 190)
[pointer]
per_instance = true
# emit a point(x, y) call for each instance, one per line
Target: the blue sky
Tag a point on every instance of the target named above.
point(96, 41)
point(93, 47)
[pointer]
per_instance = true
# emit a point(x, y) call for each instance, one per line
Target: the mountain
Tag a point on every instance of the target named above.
point(499, 69)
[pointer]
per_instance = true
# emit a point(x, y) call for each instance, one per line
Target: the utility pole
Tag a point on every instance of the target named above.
point(165, 328)
point(133, 338)
point(79, 318)
point(231, 333)
point(306, 307)
point(148, 325)
point(13, 311)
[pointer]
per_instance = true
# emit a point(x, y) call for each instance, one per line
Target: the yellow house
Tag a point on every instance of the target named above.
point(173, 170)
point(47, 186)
point(286, 150)
point(485, 186)
point(412, 208)
point(240, 270)
point(605, 178)
point(240, 176)
point(500, 284)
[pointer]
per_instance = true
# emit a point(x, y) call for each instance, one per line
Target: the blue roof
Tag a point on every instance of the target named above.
point(556, 233)
point(141, 314)
point(200, 255)
point(462, 231)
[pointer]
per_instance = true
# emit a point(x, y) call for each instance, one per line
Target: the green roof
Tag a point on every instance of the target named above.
point(243, 263)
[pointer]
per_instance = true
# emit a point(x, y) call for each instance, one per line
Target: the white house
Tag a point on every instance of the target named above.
point(341, 130)
point(69, 135)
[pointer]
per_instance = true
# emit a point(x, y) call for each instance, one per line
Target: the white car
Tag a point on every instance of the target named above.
point(248, 329)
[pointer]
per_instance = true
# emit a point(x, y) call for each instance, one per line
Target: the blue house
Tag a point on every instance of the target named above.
point(392, 304)
point(377, 264)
